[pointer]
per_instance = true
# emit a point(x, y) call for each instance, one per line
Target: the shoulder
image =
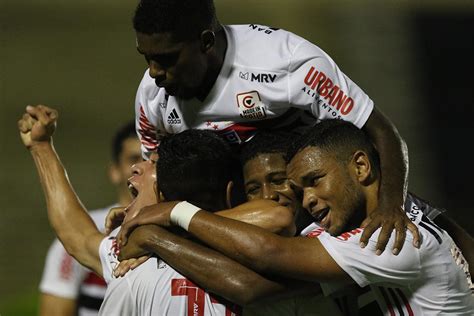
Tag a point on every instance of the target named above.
point(265, 46)
point(108, 257)
point(147, 88)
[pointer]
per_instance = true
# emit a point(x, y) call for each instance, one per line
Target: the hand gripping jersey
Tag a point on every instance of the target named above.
point(154, 288)
point(425, 281)
point(270, 78)
point(63, 276)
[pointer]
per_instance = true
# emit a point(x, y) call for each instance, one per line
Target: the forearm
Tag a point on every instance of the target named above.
point(393, 154)
point(266, 214)
point(209, 269)
point(264, 252)
point(66, 214)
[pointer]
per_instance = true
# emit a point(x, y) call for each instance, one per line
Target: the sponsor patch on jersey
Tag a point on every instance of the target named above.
point(173, 118)
point(258, 77)
point(250, 105)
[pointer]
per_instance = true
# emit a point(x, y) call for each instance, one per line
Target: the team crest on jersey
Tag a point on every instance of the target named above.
point(250, 105)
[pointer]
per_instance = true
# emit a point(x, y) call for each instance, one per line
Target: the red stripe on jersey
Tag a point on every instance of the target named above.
point(387, 301)
point(94, 279)
point(405, 301)
point(147, 132)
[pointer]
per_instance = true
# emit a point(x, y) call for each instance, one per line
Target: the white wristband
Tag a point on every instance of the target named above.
point(182, 213)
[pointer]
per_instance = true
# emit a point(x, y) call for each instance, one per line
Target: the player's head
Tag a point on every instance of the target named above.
point(125, 151)
point(264, 167)
point(196, 166)
point(177, 39)
point(143, 186)
point(335, 168)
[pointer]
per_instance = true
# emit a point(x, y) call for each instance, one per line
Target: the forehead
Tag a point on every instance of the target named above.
point(263, 165)
point(130, 145)
point(308, 160)
point(158, 43)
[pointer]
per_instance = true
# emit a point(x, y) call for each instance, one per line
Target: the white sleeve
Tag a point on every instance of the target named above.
point(317, 84)
point(146, 131)
point(365, 267)
point(62, 274)
point(108, 258)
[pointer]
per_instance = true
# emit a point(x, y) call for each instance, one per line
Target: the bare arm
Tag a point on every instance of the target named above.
point(393, 188)
point(296, 257)
point(67, 216)
point(209, 269)
point(460, 236)
point(266, 214)
point(56, 305)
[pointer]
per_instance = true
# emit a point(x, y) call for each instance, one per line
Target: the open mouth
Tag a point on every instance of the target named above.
point(133, 191)
point(320, 215)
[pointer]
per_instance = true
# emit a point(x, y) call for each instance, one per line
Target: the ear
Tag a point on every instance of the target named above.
point(161, 197)
point(228, 198)
point(362, 167)
point(208, 39)
point(114, 174)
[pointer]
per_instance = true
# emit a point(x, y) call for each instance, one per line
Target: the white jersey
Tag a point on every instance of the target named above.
point(63, 276)
point(154, 288)
point(425, 281)
point(270, 78)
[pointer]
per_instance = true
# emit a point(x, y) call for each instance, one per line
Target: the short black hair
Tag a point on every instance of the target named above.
point(185, 19)
point(124, 132)
point(195, 166)
point(338, 138)
point(266, 142)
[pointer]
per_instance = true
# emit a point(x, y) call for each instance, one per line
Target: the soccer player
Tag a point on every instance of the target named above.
point(233, 79)
point(68, 288)
point(335, 169)
point(137, 294)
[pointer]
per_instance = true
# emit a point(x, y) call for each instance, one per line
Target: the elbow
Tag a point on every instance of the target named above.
point(244, 291)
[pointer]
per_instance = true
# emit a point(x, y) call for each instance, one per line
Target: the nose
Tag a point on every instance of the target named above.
point(310, 199)
point(137, 168)
point(157, 72)
point(268, 193)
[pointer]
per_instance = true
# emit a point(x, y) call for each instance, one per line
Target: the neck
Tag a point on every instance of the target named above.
point(216, 61)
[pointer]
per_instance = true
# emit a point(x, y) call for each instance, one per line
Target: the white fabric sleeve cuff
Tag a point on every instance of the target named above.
point(182, 214)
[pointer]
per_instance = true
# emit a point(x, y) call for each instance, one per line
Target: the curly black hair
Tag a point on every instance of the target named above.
point(184, 19)
point(196, 166)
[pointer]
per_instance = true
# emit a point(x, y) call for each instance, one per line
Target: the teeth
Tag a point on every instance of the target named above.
point(322, 214)
point(132, 190)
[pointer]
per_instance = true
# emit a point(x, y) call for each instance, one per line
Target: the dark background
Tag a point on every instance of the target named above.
point(414, 60)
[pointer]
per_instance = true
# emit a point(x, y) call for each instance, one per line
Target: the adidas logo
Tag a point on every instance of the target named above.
point(173, 118)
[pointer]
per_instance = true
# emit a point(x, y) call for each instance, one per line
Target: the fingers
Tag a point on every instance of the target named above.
point(129, 264)
point(416, 234)
point(384, 236)
point(114, 219)
point(370, 227)
point(42, 113)
point(400, 235)
point(25, 124)
point(139, 261)
point(125, 231)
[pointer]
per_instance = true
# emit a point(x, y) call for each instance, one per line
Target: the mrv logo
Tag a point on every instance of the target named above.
point(250, 76)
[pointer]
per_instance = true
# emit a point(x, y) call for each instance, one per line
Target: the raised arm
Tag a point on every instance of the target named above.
point(67, 216)
point(393, 188)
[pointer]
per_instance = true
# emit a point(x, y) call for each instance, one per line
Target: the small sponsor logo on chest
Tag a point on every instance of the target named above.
point(257, 77)
point(250, 105)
